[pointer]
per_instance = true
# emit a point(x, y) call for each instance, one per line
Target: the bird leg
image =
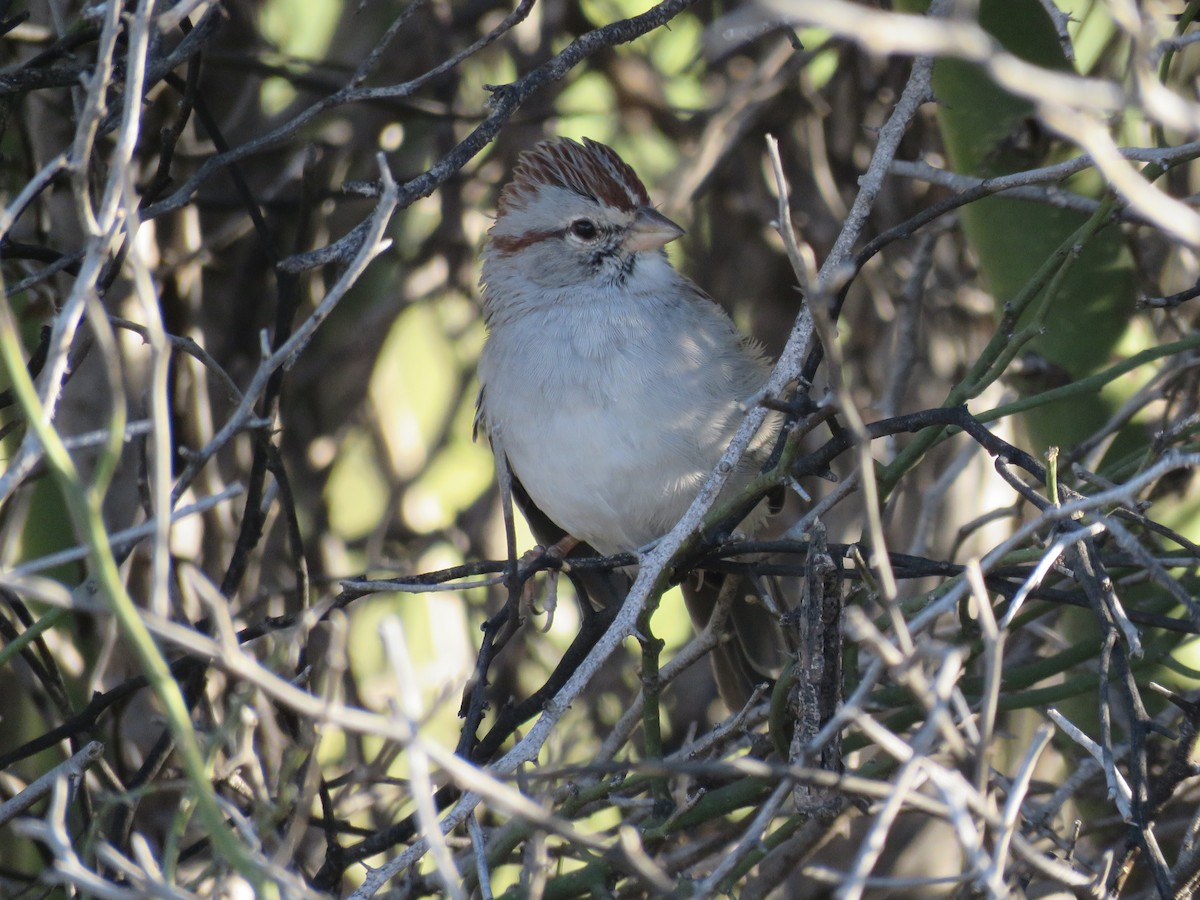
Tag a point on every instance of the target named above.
point(557, 552)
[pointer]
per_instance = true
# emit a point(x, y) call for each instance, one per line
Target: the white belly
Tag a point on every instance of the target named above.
point(613, 426)
point(609, 476)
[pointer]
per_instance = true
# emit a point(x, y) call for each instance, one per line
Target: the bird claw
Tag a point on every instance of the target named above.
point(549, 600)
point(558, 552)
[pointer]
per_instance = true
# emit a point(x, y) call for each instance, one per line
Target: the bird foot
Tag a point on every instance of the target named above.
point(558, 552)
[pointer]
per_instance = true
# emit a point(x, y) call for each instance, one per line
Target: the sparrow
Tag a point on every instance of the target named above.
point(611, 383)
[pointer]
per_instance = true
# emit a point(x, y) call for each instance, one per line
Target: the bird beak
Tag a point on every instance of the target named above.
point(650, 230)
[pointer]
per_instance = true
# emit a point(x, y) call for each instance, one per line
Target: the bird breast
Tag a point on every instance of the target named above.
point(612, 414)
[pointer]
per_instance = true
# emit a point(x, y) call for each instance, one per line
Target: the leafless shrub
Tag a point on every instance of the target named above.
point(212, 511)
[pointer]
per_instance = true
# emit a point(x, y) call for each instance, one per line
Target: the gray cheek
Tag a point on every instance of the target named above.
point(557, 266)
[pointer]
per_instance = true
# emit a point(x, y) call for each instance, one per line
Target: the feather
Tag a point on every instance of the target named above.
point(590, 169)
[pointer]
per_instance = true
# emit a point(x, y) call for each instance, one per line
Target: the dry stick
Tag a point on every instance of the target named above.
point(878, 790)
point(107, 227)
point(105, 230)
point(912, 753)
point(373, 243)
point(67, 869)
point(695, 650)
point(327, 677)
point(948, 781)
point(1119, 788)
point(120, 541)
point(815, 632)
point(654, 563)
point(750, 840)
point(89, 122)
point(1156, 570)
point(1122, 494)
point(223, 651)
point(33, 187)
point(348, 94)
point(728, 123)
point(904, 337)
point(57, 362)
point(483, 876)
point(1062, 21)
point(916, 92)
point(160, 413)
point(71, 769)
point(408, 716)
point(1076, 106)
point(1012, 809)
point(993, 661)
point(1013, 184)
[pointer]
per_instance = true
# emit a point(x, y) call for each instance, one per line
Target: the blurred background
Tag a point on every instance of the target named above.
point(361, 459)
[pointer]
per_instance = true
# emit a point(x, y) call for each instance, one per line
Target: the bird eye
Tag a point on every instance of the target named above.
point(584, 229)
